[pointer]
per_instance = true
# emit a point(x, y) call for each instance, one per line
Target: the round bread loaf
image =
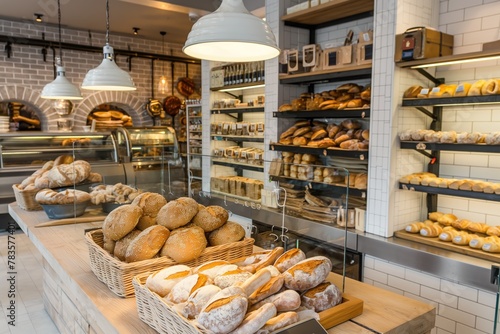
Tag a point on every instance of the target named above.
point(119, 222)
point(150, 203)
point(164, 280)
point(227, 233)
point(211, 217)
point(289, 258)
point(122, 244)
point(177, 213)
point(307, 273)
point(108, 245)
point(322, 297)
point(185, 244)
point(223, 312)
point(147, 244)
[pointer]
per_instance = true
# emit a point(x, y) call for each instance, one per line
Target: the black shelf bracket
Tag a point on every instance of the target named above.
point(436, 81)
point(426, 112)
point(425, 153)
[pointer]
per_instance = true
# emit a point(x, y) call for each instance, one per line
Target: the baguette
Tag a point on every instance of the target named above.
point(431, 231)
point(417, 226)
point(448, 235)
point(256, 319)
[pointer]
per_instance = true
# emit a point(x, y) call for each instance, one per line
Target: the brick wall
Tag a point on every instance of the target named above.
point(25, 73)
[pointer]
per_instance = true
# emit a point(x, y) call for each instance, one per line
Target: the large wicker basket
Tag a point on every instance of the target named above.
point(118, 275)
point(26, 198)
point(156, 313)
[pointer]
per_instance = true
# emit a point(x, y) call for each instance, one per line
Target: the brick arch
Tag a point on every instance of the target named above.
point(48, 117)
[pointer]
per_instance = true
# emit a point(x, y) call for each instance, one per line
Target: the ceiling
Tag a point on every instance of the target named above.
point(176, 17)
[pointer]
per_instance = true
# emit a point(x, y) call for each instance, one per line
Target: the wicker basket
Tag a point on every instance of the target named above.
point(157, 314)
point(26, 198)
point(117, 275)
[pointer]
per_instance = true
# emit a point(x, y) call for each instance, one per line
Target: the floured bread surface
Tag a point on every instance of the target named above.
point(227, 233)
point(147, 244)
point(119, 222)
point(185, 244)
point(211, 217)
point(177, 213)
point(150, 203)
point(307, 273)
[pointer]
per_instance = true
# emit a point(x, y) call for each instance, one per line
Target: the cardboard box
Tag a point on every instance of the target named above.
point(422, 43)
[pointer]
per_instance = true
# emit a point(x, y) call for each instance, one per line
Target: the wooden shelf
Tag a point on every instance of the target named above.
point(238, 165)
point(258, 139)
point(444, 101)
point(335, 188)
point(451, 192)
point(236, 110)
point(446, 60)
point(330, 11)
point(336, 152)
point(344, 113)
point(422, 145)
point(354, 72)
point(239, 86)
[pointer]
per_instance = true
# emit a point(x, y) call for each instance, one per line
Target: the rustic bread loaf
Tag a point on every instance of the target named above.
point(183, 289)
point(150, 203)
point(164, 280)
point(215, 268)
point(147, 244)
point(64, 175)
point(307, 273)
point(289, 258)
point(122, 244)
point(198, 299)
point(227, 233)
point(177, 213)
point(231, 277)
point(119, 222)
point(287, 300)
point(68, 196)
point(270, 288)
point(256, 319)
point(322, 297)
point(210, 218)
point(185, 244)
point(280, 321)
point(63, 159)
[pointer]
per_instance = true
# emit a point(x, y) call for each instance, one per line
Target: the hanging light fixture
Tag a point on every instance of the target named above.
point(231, 33)
point(61, 88)
point(162, 84)
point(108, 76)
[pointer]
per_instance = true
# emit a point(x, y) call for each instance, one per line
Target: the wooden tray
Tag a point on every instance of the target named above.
point(494, 257)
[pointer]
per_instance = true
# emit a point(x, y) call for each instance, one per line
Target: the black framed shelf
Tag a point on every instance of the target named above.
point(238, 139)
point(337, 188)
point(356, 72)
point(450, 192)
point(343, 113)
point(239, 86)
point(421, 145)
point(450, 101)
point(336, 152)
point(216, 111)
point(237, 165)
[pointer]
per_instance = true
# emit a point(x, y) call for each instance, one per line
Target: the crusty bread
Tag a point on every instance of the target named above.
point(198, 299)
point(254, 320)
point(185, 244)
point(231, 277)
point(121, 245)
point(150, 203)
point(65, 175)
point(164, 280)
point(322, 297)
point(280, 321)
point(68, 196)
point(211, 217)
point(177, 213)
point(289, 258)
point(108, 245)
point(147, 244)
point(287, 300)
point(270, 288)
point(119, 222)
point(227, 233)
point(412, 92)
point(307, 273)
point(215, 268)
point(63, 159)
point(183, 289)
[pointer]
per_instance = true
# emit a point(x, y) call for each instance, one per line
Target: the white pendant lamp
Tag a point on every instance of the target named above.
point(108, 76)
point(61, 88)
point(231, 33)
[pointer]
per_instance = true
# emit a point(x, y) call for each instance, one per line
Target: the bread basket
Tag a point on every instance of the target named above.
point(26, 198)
point(118, 275)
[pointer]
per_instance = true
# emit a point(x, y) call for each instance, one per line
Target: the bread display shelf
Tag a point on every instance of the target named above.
point(330, 11)
point(353, 73)
point(343, 113)
point(451, 192)
point(333, 187)
point(118, 275)
point(242, 198)
point(242, 86)
point(422, 145)
point(236, 110)
point(257, 139)
point(494, 257)
point(443, 101)
point(331, 151)
point(161, 317)
point(238, 165)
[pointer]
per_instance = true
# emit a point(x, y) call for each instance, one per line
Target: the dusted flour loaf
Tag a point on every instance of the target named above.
point(68, 196)
point(64, 175)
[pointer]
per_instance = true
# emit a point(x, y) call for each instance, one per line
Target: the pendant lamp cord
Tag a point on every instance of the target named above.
point(162, 51)
point(107, 21)
point(59, 26)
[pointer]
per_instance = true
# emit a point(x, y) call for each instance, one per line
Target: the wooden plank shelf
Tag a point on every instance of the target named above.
point(236, 110)
point(239, 139)
point(450, 101)
point(354, 72)
point(238, 165)
point(343, 113)
point(239, 86)
point(422, 145)
point(331, 151)
point(450, 192)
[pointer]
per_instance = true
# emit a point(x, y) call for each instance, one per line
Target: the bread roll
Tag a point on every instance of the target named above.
point(299, 141)
point(285, 107)
point(215, 268)
point(286, 300)
point(307, 273)
point(270, 288)
point(448, 235)
point(198, 299)
point(254, 320)
point(121, 245)
point(476, 88)
point(227, 233)
point(224, 311)
point(463, 238)
point(257, 261)
point(412, 92)
point(288, 132)
point(121, 221)
point(447, 219)
point(280, 321)
point(184, 288)
point(478, 227)
point(431, 231)
point(231, 277)
point(177, 213)
point(493, 230)
point(322, 297)
point(147, 244)
point(164, 280)
point(185, 244)
point(417, 226)
point(210, 218)
point(491, 87)
point(491, 247)
point(150, 203)
point(289, 258)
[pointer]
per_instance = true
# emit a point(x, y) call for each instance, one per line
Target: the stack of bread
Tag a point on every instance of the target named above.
point(345, 96)
point(109, 119)
point(479, 87)
point(237, 128)
point(431, 180)
point(180, 229)
point(238, 186)
point(447, 227)
point(427, 135)
point(116, 193)
point(261, 293)
point(61, 172)
point(347, 135)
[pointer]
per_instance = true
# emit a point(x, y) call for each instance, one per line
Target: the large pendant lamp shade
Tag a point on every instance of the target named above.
point(231, 33)
point(61, 88)
point(108, 76)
